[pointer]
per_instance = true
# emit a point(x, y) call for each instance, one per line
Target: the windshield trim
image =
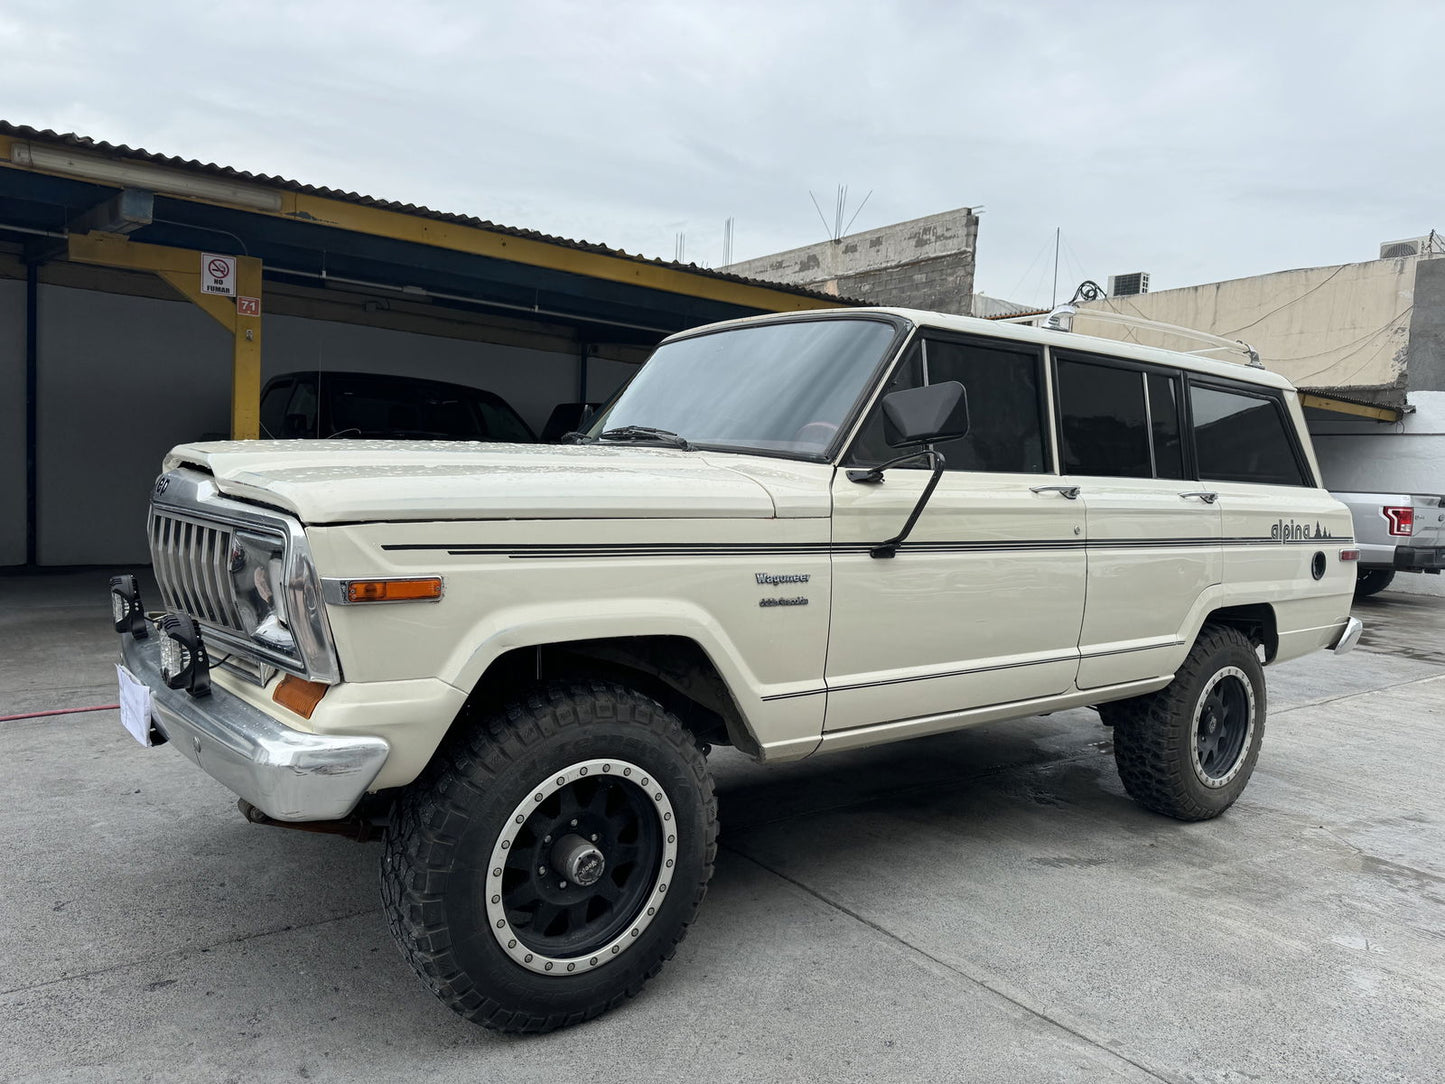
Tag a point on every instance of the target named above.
point(902, 330)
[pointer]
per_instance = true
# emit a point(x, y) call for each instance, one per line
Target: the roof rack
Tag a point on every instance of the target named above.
point(1062, 319)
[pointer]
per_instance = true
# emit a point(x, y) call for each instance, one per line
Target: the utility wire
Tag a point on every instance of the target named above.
point(1018, 285)
point(1387, 326)
point(1287, 304)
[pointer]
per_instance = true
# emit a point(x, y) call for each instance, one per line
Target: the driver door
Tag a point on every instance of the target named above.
point(983, 603)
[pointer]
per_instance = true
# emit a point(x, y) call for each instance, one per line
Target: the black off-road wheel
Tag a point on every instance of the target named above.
point(549, 861)
point(1371, 581)
point(1188, 750)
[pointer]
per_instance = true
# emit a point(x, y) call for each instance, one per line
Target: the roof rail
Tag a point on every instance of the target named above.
point(1062, 319)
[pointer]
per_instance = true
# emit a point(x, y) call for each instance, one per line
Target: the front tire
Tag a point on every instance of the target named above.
point(549, 862)
point(1188, 750)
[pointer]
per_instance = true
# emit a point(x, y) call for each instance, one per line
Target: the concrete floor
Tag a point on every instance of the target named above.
point(981, 906)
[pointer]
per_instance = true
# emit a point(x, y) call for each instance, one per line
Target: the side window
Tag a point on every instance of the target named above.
point(1005, 407)
point(1120, 422)
point(1164, 422)
point(300, 420)
point(871, 447)
point(1103, 422)
point(1241, 437)
point(500, 423)
point(273, 409)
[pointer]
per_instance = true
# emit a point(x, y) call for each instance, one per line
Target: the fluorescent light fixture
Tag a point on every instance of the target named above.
point(130, 174)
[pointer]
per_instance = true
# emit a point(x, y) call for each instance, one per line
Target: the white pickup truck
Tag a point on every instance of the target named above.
point(791, 535)
point(1395, 532)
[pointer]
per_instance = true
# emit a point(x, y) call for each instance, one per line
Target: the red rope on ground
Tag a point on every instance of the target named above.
point(59, 711)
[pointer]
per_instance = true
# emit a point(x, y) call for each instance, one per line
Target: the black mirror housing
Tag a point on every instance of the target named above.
point(934, 412)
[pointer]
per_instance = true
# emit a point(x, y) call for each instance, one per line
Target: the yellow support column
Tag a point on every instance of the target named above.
point(246, 362)
point(241, 315)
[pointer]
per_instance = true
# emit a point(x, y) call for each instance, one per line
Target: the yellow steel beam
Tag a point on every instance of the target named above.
point(472, 240)
point(1343, 406)
point(475, 240)
point(181, 267)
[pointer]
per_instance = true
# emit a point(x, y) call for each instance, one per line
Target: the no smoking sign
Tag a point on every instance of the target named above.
point(218, 274)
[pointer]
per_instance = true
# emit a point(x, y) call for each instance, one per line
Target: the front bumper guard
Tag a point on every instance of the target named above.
point(1349, 636)
point(289, 775)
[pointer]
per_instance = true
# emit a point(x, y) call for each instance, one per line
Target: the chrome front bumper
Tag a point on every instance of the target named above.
point(1349, 637)
point(288, 774)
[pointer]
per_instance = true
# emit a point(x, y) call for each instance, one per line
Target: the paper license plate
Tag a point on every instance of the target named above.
point(135, 705)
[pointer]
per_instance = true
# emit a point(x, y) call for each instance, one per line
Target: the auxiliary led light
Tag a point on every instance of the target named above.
point(184, 664)
point(125, 607)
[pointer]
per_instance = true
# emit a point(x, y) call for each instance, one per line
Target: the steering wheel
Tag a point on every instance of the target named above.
point(815, 433)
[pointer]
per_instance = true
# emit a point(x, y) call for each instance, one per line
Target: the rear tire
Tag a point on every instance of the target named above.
point(1371, 581)
point(1188, 750)
point(548, 863)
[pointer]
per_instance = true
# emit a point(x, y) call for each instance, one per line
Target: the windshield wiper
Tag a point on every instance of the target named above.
point(641, 434)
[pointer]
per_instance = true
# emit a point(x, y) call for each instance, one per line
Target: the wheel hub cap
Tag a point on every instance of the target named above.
point(581, 867)
point(1223, 727)
point(578, 861)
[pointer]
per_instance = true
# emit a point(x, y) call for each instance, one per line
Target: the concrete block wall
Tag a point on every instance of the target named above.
point(925, 263)
point(1425, 358)
point(1344, 328)
point(944, 284)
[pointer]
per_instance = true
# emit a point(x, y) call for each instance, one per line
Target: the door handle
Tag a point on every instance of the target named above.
point(1071, 492)
point(1207, 496)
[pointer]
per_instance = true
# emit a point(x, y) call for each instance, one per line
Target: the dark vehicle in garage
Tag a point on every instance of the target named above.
point(379, 406)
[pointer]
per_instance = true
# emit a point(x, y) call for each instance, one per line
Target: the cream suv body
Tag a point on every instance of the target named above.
point(512, 659)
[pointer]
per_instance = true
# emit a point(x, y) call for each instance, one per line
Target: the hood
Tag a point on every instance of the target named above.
point(339, 481)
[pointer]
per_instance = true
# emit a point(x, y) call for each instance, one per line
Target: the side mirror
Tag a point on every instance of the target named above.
point(918, 415)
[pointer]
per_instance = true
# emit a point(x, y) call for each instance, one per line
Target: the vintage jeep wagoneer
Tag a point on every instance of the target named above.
point(788, 534)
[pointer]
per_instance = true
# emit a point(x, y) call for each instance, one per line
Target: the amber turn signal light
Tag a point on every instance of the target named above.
point(299, 695)
point(426, 589)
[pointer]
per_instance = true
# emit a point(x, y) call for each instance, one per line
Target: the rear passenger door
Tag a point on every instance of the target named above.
point(1154, 534)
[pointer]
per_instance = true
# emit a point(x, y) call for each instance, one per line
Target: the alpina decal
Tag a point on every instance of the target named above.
point(1290, 531)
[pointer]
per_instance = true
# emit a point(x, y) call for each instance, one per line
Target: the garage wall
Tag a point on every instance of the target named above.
point(12, 422)
point(1407, 456)
point(124, 378)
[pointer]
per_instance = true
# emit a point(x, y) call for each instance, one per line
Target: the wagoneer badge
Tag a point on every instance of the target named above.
point(773, 579)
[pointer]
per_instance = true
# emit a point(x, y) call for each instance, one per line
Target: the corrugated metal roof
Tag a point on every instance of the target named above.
point(996, 308)
point(211, 169)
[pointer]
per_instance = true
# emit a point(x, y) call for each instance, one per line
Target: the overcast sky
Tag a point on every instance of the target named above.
point(1195, 141)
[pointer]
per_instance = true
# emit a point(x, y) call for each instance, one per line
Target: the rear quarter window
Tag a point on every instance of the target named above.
point(1243, 437)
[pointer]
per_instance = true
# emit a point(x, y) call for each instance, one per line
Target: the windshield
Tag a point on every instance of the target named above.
point(770, 387)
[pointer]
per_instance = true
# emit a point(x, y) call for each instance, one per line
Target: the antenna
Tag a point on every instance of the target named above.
point(1054, 297)
point(679, 248)
point(728, 241)
point(840, 210)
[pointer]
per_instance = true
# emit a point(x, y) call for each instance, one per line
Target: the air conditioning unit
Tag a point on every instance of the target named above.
point(1136, 282)
point(1432, 244)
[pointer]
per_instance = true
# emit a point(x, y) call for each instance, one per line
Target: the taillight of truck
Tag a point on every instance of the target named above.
point(1402, 520)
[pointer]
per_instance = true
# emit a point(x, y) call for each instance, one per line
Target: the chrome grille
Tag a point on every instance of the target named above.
point(191, 560)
